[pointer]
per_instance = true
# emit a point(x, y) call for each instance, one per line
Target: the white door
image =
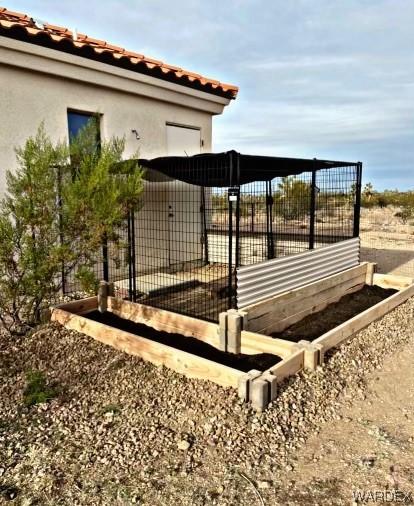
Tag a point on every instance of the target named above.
point(183, 141)
point(185, 219)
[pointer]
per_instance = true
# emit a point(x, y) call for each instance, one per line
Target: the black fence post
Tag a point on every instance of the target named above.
point(269, 221)
point(230, 232)
point(252, 208)
point(129, 257)
point(312, 216)
point(205, 230)
point(357, 205)
point(238, 259)
point(233, 196)
point(105, 258)
point(133, 259)
point(237, 212)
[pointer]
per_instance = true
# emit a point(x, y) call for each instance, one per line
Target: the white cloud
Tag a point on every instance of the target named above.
point(317, 77)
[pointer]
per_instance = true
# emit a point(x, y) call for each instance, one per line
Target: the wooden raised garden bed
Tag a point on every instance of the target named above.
point(182, 333)
point(253, 360)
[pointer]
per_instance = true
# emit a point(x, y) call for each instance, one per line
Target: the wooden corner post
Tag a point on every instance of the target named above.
point(103, 292)
point(230, 329)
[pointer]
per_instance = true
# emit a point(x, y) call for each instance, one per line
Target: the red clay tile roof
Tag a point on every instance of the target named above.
point(22, 27)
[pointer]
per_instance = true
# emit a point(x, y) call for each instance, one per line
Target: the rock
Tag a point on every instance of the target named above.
point(183, 445)
point(208, 427)
point(368, 461)
point(263, 484)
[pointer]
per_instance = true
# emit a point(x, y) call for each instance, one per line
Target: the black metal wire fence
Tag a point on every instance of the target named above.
point(180, 250)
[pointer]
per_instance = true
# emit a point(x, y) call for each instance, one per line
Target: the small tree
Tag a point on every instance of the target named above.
point(55, 217)
point(406, 201)
point(293, 198)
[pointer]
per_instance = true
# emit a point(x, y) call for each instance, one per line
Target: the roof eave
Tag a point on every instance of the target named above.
point(68, 45)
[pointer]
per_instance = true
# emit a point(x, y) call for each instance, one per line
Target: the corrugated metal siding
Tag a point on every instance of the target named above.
point(263, 280)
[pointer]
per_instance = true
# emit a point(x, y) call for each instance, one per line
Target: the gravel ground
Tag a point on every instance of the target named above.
point(122, 431)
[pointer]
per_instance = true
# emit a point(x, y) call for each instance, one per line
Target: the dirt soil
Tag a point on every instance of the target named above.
point(123, 432)
point(368, 447)
point(245, 363)
point(347, 307)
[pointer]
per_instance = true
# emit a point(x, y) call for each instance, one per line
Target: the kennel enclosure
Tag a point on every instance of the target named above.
point(207, 224)
point(204, 217)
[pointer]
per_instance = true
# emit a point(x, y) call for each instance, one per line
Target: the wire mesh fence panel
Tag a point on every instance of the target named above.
point(387, 238)
point(197, 224)
point(292, 202)
point(335, 204)
point(81, 281)
point(178, 264)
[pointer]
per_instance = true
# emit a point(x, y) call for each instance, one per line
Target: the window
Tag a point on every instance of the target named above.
point(79, 120)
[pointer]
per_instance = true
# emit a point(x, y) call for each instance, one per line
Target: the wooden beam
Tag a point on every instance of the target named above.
point(319, 303)
point(253, 343)
point(79, 306)
point(312, 354)
point(103, 296)
point(245, 381)
point(260, 387)
point(261, 308)
point(166, 321)
point(159, 354)
point(369, 280)
point(222, 331)
point(260, 394)
point(347, 329)
point(288, 366)
point(234, 326)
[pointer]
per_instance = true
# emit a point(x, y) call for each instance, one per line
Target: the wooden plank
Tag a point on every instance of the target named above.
point(369, 280)
point(310, 303)
point(253, 343)
point(103, 296)
point(234, 326)
point(288, 366)
point(391, 281)
point(261, 308)
point(281, 325)
point(80, 306)
point(156, 353)
point(167, 321)
point(313, 356)
point(347, 329)
point(260, 395)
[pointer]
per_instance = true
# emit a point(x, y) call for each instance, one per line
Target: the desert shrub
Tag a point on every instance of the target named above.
point(406, 204)
point(367, 196)
point(292, 198)
point(37, 389)
point(382, 200)
point(372, 198)
point(61, 204)
point(404, 215)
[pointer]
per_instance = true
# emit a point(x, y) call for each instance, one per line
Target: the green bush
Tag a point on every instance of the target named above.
point(293, 198)
point(61, 204)
point(37, 389)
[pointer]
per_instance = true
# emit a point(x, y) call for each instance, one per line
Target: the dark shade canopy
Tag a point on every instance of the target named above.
point(232, 168)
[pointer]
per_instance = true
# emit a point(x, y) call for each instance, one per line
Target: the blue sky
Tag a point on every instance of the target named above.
point(318, 78)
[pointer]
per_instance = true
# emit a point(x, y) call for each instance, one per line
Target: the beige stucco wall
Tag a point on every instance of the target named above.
point(27, 98)
point(39, 84)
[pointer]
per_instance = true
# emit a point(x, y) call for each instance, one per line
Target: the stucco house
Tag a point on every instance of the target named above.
point(206, 221)
point(52, 74)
